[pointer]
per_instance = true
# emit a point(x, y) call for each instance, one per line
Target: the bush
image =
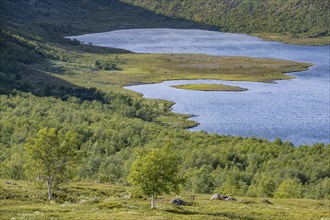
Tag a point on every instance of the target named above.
point(106, 65)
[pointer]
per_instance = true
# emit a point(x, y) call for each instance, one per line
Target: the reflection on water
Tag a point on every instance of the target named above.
point(296, 110)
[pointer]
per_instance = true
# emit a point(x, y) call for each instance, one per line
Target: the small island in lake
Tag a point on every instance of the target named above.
point(211, 87)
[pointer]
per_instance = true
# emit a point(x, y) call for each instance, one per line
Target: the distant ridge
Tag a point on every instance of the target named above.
point(299, 18)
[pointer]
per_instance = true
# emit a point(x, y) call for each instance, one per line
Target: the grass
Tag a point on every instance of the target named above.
point(310, 41)
point(154, 68)
point(211, 87)
point(90, 200)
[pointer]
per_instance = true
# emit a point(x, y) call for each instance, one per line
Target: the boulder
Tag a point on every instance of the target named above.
point(230, 199)
point(216, 196)
point(267, 202)
point(178, 202)
point(223, 197)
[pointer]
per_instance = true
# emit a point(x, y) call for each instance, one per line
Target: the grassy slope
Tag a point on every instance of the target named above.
point(78, 69)
point(88, 200)
point(295, 22)
point(79, 17)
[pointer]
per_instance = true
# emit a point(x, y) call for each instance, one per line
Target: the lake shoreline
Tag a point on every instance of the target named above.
point(281, 99)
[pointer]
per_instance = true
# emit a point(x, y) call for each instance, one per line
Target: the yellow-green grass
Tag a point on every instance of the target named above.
point(211, 87)
point(90, 200)
point(290, 39)
point(154, 68)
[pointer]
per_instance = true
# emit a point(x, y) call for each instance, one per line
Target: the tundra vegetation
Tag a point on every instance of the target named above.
point(57, 90)
point(90, 200)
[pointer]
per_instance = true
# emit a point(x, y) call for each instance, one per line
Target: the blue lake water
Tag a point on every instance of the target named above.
point(297, 110)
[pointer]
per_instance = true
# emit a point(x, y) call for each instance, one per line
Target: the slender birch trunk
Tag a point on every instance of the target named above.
point(152, 201)
point(49, 186)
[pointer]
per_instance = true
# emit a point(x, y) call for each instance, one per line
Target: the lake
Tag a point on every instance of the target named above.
point(296, 110)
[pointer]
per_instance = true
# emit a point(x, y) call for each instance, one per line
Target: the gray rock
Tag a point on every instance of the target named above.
point(178, 202)
point(218, 196)
point(230, 199)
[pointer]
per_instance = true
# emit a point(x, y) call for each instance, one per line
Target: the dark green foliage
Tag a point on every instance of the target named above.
point(300, 17)
point(106, 65)
point(109, 140)
point(111, 127)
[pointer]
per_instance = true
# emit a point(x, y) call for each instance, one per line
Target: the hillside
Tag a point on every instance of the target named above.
point(49, 81)
point(89, 200)
point(289, 21)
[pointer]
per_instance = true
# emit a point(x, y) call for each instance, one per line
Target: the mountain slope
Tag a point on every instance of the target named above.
point(115, 125)
point(297, 18)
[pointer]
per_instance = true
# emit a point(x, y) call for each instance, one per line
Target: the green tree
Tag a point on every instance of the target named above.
point(156, 173)
point(263, 185)
point(199, 180)
point(289, 188)
point(52, 157)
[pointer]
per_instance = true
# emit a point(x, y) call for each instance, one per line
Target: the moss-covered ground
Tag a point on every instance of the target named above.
point(90, 200)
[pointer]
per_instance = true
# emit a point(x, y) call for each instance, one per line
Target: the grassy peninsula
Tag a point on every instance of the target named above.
point(152, 68)
point(211, 87)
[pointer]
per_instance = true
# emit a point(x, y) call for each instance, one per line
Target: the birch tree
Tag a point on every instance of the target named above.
point(156, 173)
point(52, 157)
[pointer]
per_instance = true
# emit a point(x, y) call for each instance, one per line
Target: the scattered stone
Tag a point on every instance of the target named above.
point(10, 183)
point(230, 199)
point(218, 196)
point(178, 202)
point(124, 203)
point(267, 202)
